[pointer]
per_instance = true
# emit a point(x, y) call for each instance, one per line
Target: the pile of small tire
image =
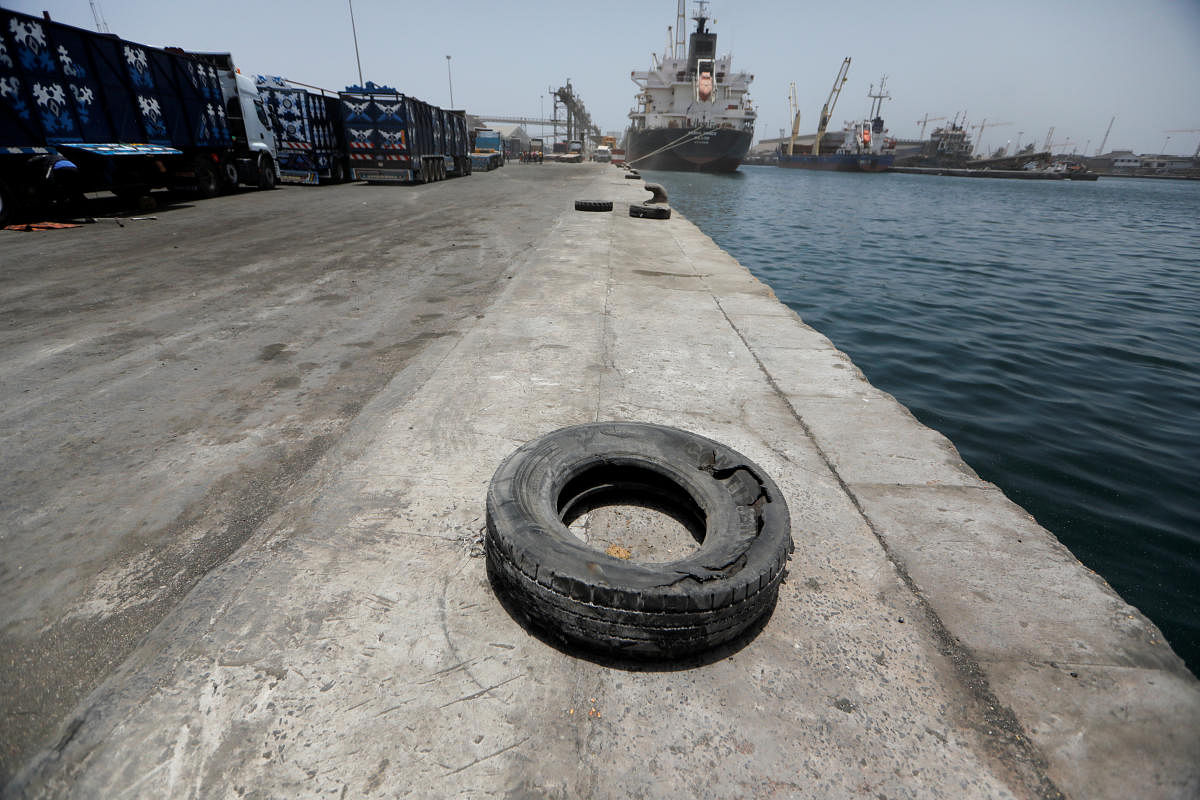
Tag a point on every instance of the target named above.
point(580, 595)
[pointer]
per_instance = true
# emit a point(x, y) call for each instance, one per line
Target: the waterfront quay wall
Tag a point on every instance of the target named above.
point(930, 639)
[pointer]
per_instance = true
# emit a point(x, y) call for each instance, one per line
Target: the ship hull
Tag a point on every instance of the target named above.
point(715, 150)
point(839, 162)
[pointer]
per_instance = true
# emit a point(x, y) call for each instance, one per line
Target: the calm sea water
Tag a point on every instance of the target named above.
point(1051, 330)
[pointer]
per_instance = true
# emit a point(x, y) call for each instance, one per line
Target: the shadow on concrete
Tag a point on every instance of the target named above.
point(606, 658)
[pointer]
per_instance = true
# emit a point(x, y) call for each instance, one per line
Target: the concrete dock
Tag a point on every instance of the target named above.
point(246, 447)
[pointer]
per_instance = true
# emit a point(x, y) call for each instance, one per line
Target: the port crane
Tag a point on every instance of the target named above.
point(984, 125)
point(925, 121)
point(794, 108)
point(1196, 154)
point(1107, 131)
point(830, 102)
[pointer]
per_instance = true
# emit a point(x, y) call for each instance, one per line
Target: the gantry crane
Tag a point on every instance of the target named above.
point(830, 102)
point(794, 108)
point(925, 121)
point(1196, 154)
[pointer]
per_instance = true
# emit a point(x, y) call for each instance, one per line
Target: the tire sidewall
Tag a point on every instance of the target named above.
point(523, 518)
point(266, 172)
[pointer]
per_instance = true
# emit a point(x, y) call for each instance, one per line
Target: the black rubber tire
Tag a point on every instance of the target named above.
point(635, 609)
point(632, 176)
point(593, 205)
point(208, 180)
point(227, 171)
point(650, 212)
point(7, 207)
point(337, 171)
point(266, 172)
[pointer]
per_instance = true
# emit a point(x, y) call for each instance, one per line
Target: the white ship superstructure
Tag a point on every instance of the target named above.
point(693, 111)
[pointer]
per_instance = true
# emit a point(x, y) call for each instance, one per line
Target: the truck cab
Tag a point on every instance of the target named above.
point(255, 162)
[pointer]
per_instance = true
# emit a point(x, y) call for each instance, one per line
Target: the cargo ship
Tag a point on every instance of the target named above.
point(865, 145)
point(694, 113)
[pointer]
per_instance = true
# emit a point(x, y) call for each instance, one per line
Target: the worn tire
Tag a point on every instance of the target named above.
point(636, 609)
point(632, 176)
point(593, 205)
point(650, 212)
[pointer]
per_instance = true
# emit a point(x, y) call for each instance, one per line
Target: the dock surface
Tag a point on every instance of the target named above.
point(246, 451)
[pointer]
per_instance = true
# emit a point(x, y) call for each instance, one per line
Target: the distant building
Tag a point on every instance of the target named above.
point(514, 132)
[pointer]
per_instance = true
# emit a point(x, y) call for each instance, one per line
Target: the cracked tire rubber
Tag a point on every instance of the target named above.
point(646, 610)
point(650, 212)
point(593, 205)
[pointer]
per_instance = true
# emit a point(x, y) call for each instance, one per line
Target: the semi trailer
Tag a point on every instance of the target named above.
point(82, 111)
point(394, 138)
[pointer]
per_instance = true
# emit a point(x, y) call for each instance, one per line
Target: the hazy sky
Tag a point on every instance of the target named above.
point(1031, 63)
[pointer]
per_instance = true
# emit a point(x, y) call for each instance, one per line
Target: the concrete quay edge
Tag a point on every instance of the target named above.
point(931, 640)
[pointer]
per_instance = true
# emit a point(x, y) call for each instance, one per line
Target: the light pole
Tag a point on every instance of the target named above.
point(1163, 152)
point(354, 30)
point(450, 78)
point(542, 115)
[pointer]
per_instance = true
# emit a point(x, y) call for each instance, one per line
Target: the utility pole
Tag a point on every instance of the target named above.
point(451, 79)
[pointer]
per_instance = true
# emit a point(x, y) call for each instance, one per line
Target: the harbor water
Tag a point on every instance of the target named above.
point(1050, 329)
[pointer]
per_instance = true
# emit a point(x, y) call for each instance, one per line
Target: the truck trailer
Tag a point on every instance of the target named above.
point(309, 133)
point(394, 138)
point(487, 149)
point(82, 111)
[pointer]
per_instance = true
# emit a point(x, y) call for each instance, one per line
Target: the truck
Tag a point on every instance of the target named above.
point(394, 138)
point(487, 150)
point(536, 152)
point(82, 112)
point(310, 136)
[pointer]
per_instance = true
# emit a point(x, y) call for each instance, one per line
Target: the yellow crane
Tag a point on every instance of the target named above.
point(794, 108)
point(830, 102)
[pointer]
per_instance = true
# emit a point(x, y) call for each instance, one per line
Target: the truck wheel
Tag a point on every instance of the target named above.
point(208, 184)
point(606, 600)
point(229, 176)
point(6, 205)
point(266, 171)
point(337, 172)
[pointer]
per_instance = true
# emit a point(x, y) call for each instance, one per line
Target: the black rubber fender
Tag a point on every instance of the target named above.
point(650, 212)
point(593, 205)
point(647, 610)
point(632, 175)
